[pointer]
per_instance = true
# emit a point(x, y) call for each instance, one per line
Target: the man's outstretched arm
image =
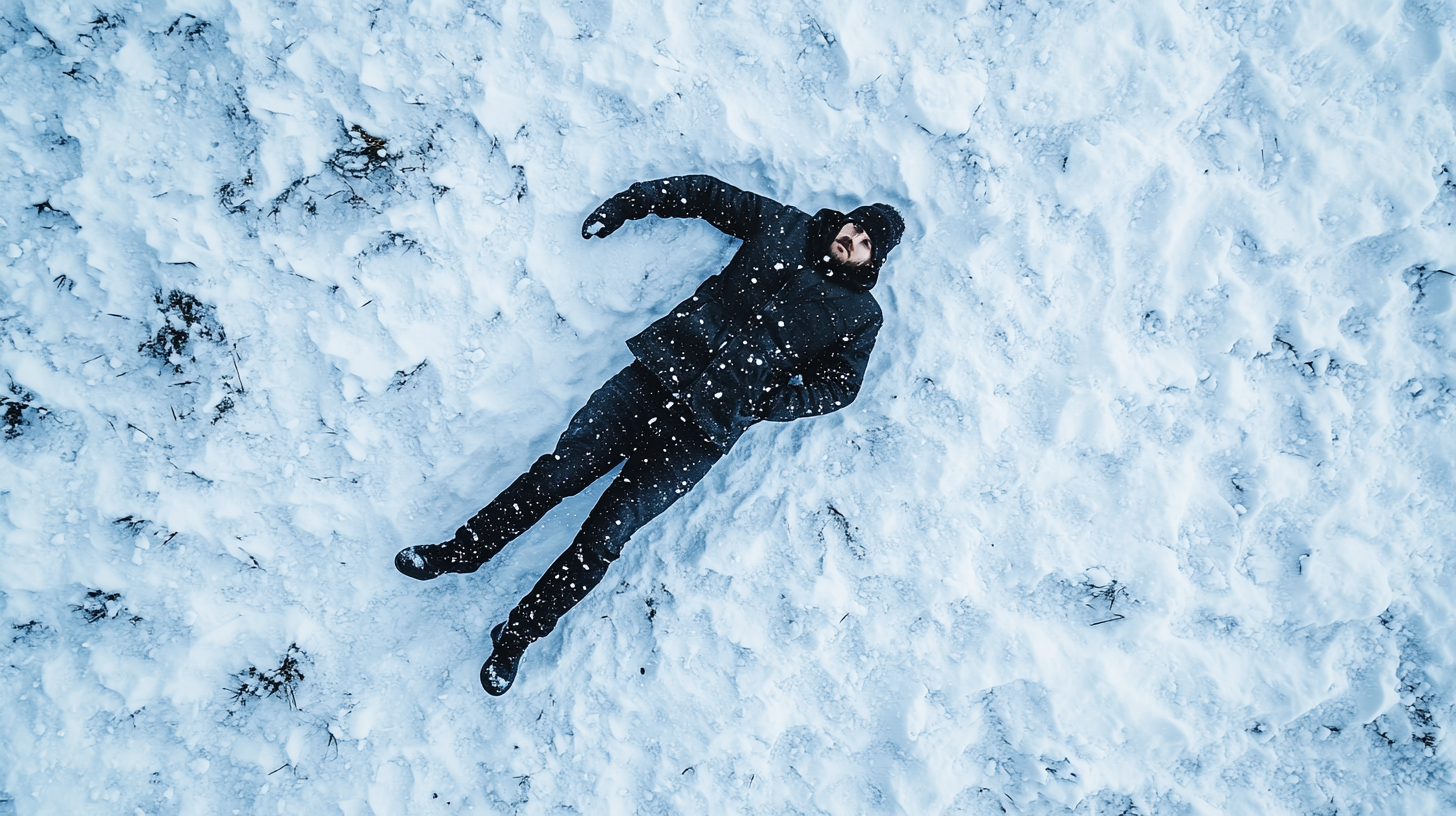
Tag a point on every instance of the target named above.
point(830, 383)
point(736, 212)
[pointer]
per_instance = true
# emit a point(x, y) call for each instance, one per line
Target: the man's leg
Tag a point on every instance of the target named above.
point(598, 437)
point(663, 469)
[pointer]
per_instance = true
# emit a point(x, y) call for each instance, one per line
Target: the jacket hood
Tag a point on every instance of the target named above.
point(823, 226)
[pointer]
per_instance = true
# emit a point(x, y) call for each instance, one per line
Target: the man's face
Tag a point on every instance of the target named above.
point(851, 246)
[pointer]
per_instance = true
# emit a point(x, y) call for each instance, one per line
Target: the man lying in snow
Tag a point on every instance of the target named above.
point(783, 332)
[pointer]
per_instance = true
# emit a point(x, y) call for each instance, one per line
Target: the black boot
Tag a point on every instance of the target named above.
point(433, 560)
point(464, 553)
point(499, 671)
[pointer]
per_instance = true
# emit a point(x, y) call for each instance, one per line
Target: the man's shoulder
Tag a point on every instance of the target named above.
point(860, 308)
point(872, 307)
point(780, 221)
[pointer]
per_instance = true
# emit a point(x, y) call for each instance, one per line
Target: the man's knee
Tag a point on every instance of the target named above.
point(556, 471)
point(545, 465)
point(603, 547)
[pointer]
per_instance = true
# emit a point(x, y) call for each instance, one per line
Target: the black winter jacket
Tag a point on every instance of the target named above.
point(780, 333)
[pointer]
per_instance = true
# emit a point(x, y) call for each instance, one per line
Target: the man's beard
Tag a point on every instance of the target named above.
point(824, 232)
point(841, 270)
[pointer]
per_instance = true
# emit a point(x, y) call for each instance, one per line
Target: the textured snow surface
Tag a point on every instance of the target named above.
point(1146, 507)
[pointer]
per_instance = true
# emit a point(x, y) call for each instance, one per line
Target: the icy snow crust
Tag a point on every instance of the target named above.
point(1146, 506)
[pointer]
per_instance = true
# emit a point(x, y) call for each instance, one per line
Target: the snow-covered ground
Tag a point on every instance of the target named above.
point(1147, 505)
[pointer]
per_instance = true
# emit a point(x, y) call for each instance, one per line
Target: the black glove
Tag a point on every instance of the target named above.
point(613, 213)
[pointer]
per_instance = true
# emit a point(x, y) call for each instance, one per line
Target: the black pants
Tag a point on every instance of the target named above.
point(631, 418)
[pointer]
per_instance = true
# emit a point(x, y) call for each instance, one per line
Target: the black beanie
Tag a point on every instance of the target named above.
point(884, 225)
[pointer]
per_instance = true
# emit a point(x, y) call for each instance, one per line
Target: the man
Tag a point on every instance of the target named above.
point(783, 332)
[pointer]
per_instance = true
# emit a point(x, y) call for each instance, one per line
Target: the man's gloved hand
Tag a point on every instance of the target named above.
point(613, 213)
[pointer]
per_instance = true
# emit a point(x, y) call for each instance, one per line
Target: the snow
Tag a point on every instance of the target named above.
point(1146, 506)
